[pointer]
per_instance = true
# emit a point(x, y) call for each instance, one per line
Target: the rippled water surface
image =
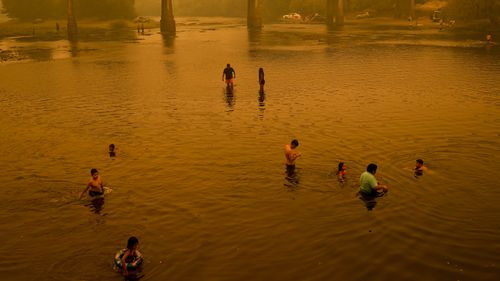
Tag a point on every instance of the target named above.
point(199, 174)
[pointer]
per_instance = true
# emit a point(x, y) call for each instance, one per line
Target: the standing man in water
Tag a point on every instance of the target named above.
point(368, 184)
point(229, 75)
point(291, 154)
point(262, 81)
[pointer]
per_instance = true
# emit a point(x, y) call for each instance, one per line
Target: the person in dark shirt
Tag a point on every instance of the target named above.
point(228, 75)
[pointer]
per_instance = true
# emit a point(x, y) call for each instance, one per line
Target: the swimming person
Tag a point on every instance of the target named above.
point(341, 172)
point(291, 154)
point(368, 184)
point(489, 38)
point(419, 167)
point(95, 186)
point(262, 81)
point(129, 258)
point(228, 75)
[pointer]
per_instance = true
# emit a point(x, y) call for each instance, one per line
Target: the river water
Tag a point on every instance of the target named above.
point(199, 173)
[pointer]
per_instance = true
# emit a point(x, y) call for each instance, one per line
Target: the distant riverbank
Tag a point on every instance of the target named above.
point(369, 30)
point(112, 30)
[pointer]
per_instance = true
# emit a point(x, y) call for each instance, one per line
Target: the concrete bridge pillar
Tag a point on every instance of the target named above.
point(335, 12)
point(167, 22)
point(339, 19)
point(412, 9)
point(72, 26)
point(254, 14)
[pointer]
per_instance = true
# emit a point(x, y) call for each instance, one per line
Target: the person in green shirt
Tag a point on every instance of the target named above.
point(368, 184)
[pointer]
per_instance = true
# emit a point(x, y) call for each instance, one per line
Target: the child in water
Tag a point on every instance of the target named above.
point(95, 186)
point(131, 255)
point(342, 171)
point(419, 167)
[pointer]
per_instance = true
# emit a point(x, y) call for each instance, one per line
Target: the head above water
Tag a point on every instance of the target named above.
point(228, 65)
point(420, 163)
point(372, 168)
point(132, 243)
point(341, 166)
point(111, 147)
point(294, 143)
point(94, 171)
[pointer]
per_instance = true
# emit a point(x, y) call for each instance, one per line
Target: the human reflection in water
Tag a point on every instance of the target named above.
point(97, 204)
point(73, 48)
point(262, 103)
point(370, 188)
point(229, 97)
point(370, 199)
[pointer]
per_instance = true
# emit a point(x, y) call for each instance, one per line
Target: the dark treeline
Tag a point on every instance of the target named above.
point(45, 9)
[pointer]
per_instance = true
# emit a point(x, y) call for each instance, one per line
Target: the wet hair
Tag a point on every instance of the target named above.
point(295, 142)
point(228, 65)
point(132, 241)
point(93, 171)
point(340, 166)
point(112, 146)
point(420, 161)
point(372, 168)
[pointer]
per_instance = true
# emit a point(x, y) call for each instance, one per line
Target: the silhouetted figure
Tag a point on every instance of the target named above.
point(262, 99)
point(229, 75)
point(112, 152)
point(262, 81)
point(57, 27)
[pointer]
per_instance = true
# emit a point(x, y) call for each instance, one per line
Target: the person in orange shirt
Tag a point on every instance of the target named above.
point(291, 154)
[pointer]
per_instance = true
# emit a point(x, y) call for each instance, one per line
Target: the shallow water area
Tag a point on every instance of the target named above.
point(199, 174)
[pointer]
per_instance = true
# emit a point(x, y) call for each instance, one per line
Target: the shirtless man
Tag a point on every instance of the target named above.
point(95, 186)
point(419, 167)
point(291, 155)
